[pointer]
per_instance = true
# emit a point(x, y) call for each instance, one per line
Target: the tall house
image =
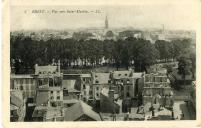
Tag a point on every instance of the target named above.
point(49, 82)
point(25, 84)
point(157, 90)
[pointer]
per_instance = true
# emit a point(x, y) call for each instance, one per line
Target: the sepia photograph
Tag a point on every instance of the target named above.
point(102, 63)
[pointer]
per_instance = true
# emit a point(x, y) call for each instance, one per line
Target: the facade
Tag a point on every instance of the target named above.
point(100, 81)
point(86, 87)
point(70, 94)
point(157, 90)
point(127, 83)
point(24, 83)
point(49, 92)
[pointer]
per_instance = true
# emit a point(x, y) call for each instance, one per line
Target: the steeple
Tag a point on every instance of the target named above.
point(106, 22)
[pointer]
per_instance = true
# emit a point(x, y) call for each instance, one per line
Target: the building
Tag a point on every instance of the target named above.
point(49, 79)
point(70, 94)
point(157, 90)
point(49, 92)
point(81, 112)
point(17, 108)
point(108, 102)
point(24, 83)
point(100, 81)
point(86, 87)
point(127, 83)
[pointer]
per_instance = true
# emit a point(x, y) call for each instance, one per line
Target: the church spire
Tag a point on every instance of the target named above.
point(106, 22)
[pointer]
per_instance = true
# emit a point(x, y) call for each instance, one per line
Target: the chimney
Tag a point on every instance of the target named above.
point(111, 94)
point(36, 68)
point(59, 66)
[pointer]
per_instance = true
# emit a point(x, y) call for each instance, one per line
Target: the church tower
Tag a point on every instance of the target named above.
point(106, 23)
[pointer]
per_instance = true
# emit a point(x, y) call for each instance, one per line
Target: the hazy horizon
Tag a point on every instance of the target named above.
point(173, 17)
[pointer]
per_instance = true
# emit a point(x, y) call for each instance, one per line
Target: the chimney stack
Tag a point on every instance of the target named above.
point(111, 94)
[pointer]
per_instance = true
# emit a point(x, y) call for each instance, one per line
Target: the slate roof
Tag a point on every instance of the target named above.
point(122, 74)
point(85, 75)
point(70, 101)
point(79, 109)
point(102, 78)
point(14, 100)
point(138, 75)
point(42, 97)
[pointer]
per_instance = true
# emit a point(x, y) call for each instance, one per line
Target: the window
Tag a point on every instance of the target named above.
point(128, 81)
point(21, 87)
point(83, 79)
point(50, 82)
point(90, 92)
point(97, 88)
point(59, 104)
point(27, 81)
point(119, 74)
point(84, 87)
point(21, 81)
point(51, 97)
point(51, 92)
point(58, 92)
point(97, 94)
point(125, 74)
point(97, 81)
point(128, 88)
point(58, 97)
point(109, 81)
point(96, 76)
point(65, 92)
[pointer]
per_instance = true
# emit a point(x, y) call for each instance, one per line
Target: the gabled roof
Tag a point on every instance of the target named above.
point(122, 74)
point(79, 109)
point(101, 78)
point(14, 100)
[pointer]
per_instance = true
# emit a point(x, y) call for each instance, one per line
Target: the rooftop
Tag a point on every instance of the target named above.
point(101, 78)
point(122, 74)
point(21, 76)
point(41, 98)
point(77, 110)
point(14, 100)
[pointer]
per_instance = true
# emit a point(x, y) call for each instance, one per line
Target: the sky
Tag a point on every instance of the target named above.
point(172, 16)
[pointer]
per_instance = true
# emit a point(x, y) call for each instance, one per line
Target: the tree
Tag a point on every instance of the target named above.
point(184, 66)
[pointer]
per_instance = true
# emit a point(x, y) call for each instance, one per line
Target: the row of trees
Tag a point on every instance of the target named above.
point(121, 53)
